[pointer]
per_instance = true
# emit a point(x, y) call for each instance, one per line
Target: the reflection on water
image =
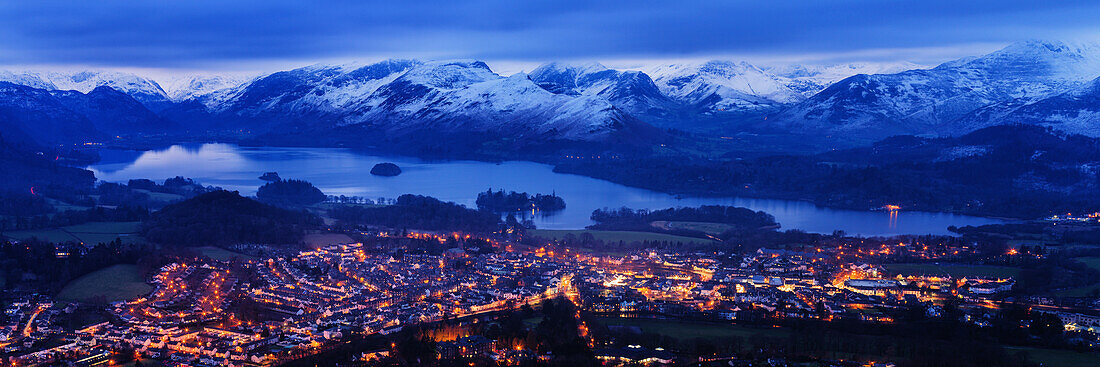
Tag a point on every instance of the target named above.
point(342, 172)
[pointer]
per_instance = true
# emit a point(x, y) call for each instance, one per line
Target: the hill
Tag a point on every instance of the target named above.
point(226, 218)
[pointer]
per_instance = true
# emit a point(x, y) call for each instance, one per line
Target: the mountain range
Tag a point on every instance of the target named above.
point(1044, 83)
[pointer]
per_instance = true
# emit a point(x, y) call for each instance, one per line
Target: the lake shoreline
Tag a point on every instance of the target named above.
point(806, 213)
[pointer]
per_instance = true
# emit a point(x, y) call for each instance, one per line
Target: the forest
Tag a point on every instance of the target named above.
point(626, 219)
point(1014, 171)
point(290, 193)
point(499, 201)
point(225, 218)
point(419, 212)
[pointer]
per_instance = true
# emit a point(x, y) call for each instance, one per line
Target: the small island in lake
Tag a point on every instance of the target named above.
point(499, 201)
point(385, 169)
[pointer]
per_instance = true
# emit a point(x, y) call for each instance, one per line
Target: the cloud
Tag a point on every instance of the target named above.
point(203, 33)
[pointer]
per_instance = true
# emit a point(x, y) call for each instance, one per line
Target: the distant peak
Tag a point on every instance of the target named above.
point(1049, 47)
point(580, 68)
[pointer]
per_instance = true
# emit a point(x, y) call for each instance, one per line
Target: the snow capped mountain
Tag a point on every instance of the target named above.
point(631, 91)
point(402, 98)
point(514, 104)
point(1035, 82)
point(1076, 111)
point(30, 79)
point(723, 85)
point(198, 85)
point(316, 88)
point(811, 79)
point(34, 115)
point(933, 101)
point(468, 96)
point(143, 89)
point(113, 112)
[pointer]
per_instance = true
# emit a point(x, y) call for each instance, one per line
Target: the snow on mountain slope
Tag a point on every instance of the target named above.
point(30, 79)
point(514, 105)
point(932, 101)
point(467, 96)
point(420, 88)
point(34, 115)
point(184, 87)
point(113, 112)
point(722, 85)
point(316, 92)
point(143, 89)
point(1075, 111)
point(811, 79)
point(631, 91)
point(405, 97)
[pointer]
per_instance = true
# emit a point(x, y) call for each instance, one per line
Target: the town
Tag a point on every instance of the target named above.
point(294, 306)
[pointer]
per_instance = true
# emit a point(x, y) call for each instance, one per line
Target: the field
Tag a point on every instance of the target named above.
point(1085, 291)
point(955, 270)
point(1057, 358)
point(88, 233)
point(1092, 262)
point(63, 206)
point(705, 227)
point(114, 283)
point(616, 236)
point(220, 254)
point(161, 196)
point(317, 240)
point(685, 330)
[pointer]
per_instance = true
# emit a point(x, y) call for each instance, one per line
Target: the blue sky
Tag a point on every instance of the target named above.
point(243, 35)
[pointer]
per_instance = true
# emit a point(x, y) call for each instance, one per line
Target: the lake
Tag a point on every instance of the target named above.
point(343, 172)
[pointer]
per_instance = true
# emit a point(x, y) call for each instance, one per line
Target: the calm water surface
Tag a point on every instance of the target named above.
point(342, 172)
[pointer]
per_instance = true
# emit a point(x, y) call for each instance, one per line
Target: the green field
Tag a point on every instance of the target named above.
point(616, 236)
point(1057, 358)
point(705, 227)
point(955, 270)
point(682, 329)
point(317, 240)
point(161, 196)
point(55, 235)
point(62, 206)
point(114, 283)
point(220, 254)
point(1092, 262)
point(1085, 291)
point(88, 233)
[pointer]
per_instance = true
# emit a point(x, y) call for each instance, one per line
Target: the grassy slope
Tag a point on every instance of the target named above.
point(114, 283)
point(90, 233)
point(705, 227)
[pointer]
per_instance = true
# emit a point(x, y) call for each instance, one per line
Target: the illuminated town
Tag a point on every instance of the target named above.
point(294, 306)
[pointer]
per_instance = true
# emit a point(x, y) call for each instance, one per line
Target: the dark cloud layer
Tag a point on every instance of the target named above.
point(162, 33)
